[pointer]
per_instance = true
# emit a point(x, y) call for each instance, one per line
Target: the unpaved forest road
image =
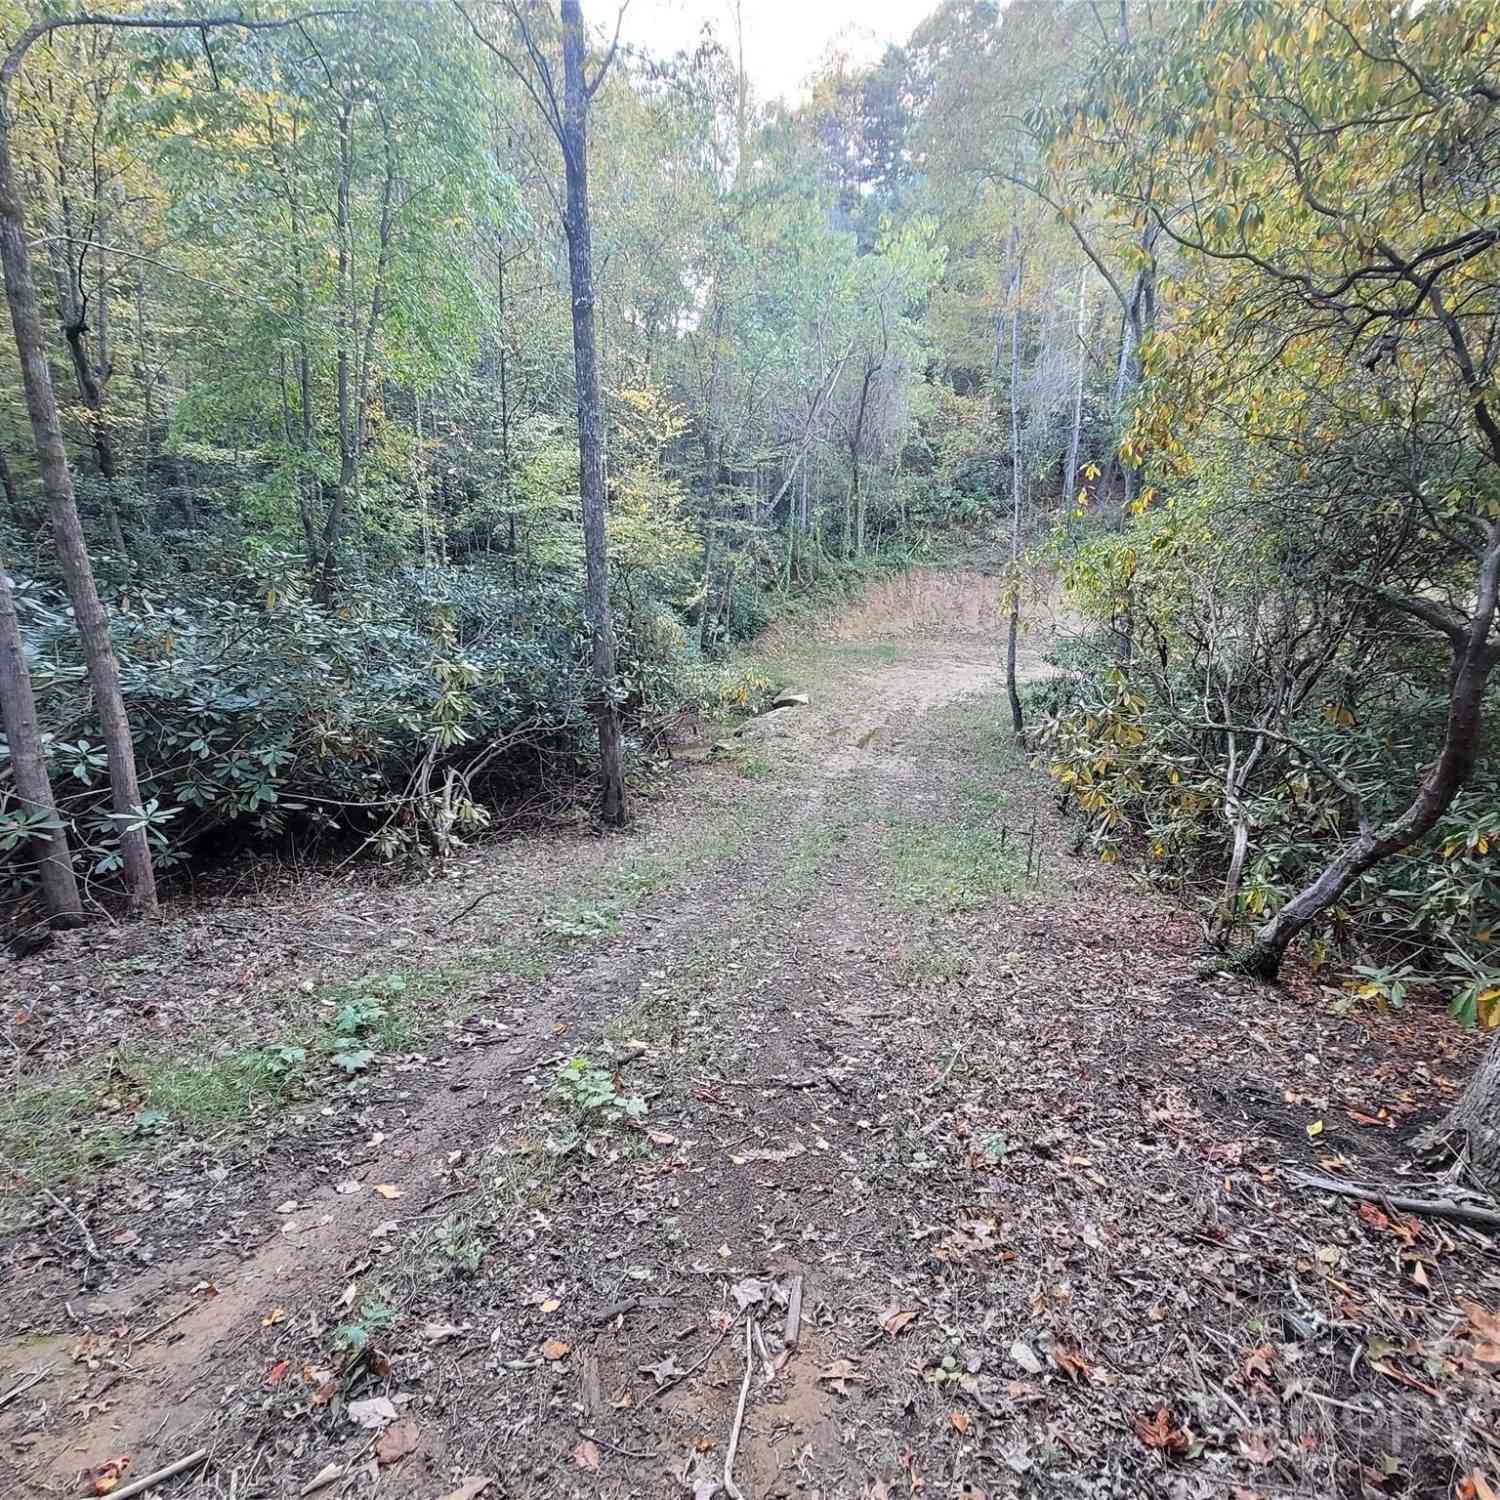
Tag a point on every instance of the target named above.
point(1033, 1176)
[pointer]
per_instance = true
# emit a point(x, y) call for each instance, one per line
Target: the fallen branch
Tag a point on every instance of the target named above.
point(594, 1437)
point(730, 1487)
point(83, 1229)
point(24, 1386)
point(791, 1334)
point(150, 1481)
point(1432, 1208)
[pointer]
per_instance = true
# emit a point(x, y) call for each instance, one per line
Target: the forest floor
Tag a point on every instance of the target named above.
point(301, 1175)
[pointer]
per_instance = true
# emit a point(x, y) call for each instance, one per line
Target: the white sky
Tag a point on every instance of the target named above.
point(784, 39)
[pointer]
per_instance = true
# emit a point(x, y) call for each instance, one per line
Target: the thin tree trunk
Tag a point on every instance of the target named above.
point(612, 806)
point(33, 787)
point(67, 529)
point(1012, 691)
point(1070, 482)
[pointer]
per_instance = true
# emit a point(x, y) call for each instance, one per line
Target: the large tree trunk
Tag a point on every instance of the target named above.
point(33, 788)
point(1476, 1116)
point(1474, 658)
point(590, 411)
point(67, 530)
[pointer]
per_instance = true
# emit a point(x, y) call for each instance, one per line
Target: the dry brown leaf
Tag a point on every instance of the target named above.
point(894, 1319)
point(1474, 1486)
point(272, 1318)
point(840, 1374)
point(1158, 1432)
point(555, 1349)
point(387, 1191)
point(109, 1474)
point(796, 1149)
point(1373, 1217)
point(1260, 1362)
point(1070, 1362)
point(396, 1442)
point(960, 1421)
point(551, 1304)
point(1252, 1445)
point(586, 1456)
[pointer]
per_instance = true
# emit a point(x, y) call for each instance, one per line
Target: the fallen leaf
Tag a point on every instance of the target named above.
point(1252, 1445)
point(387, 1191)
point(586, 1456)
point(661, 1138)
point(109, 1474)
point(469, 1489)
point(555, 1349)
point(1025, 1356)
point(1070, 1362)
point(272, 1318)
point(325, 1476)
point(1373, 1217)
point(551, 1304)
point(748, 1292)
point(894, 1319)
point(278, 1372)
point(840, 1374)
point(372, 1414)
point(959, 1420)
point(440, 1333)
point(1474, 1486)
point(1260, 1362)
point(1315, 1129)
point(396, 1442)
point(349, 1186)
point(661, 1373)
point(1158, 1432)
point(1420, 1277)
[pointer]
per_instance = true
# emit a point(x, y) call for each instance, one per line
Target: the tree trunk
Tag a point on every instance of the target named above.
point(1070, 482)
point(1017, 718)
point(67, 530)
point(1474, 658)
point(1477, 1117)
point(33, 788)
point(590, 413)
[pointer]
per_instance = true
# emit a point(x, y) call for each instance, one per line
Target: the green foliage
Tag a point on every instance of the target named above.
point(594, 1095)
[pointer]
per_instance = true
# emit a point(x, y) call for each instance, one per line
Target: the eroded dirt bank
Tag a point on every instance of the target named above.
point(849, 1027)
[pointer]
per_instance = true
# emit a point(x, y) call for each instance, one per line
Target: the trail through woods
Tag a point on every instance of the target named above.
point(903, 1060)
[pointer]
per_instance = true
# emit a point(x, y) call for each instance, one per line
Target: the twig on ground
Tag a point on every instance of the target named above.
point(1433, 1208)
point(594, 1437)
point(730, 1487)
point(713, 1350)
point(150, 1481)
point(23, 1386)
point(165, 1323)
point(482, 896)
point(88, 1239)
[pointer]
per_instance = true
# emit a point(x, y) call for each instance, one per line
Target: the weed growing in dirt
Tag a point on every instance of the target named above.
point(593, 1096)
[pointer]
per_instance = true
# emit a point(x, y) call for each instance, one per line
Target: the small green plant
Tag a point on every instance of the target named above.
point(583, 922)
point(594, 1094)
point(371, 1317)
point(355, 1016)
point(283, 1058)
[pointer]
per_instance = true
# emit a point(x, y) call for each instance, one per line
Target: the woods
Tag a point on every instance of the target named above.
point(746, 787)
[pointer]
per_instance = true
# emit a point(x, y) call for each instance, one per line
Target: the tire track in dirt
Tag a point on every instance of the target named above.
point(315, 1247)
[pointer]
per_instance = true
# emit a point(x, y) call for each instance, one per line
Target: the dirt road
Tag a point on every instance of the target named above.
point(840, 1024)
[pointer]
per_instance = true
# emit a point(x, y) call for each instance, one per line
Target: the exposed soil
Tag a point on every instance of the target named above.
point(1036, 1182)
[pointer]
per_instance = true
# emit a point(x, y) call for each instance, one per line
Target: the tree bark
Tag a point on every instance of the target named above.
point(33, 787)
point(1012, 691)
point(1476, 1116)
point(576, 97)
point(62, 506)
point(1070, 482)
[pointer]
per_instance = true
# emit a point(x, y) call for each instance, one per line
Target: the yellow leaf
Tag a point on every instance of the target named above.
point(1315, 1129)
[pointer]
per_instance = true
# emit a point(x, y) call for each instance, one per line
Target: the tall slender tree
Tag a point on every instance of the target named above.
point(33, 787)
point(568, 118)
